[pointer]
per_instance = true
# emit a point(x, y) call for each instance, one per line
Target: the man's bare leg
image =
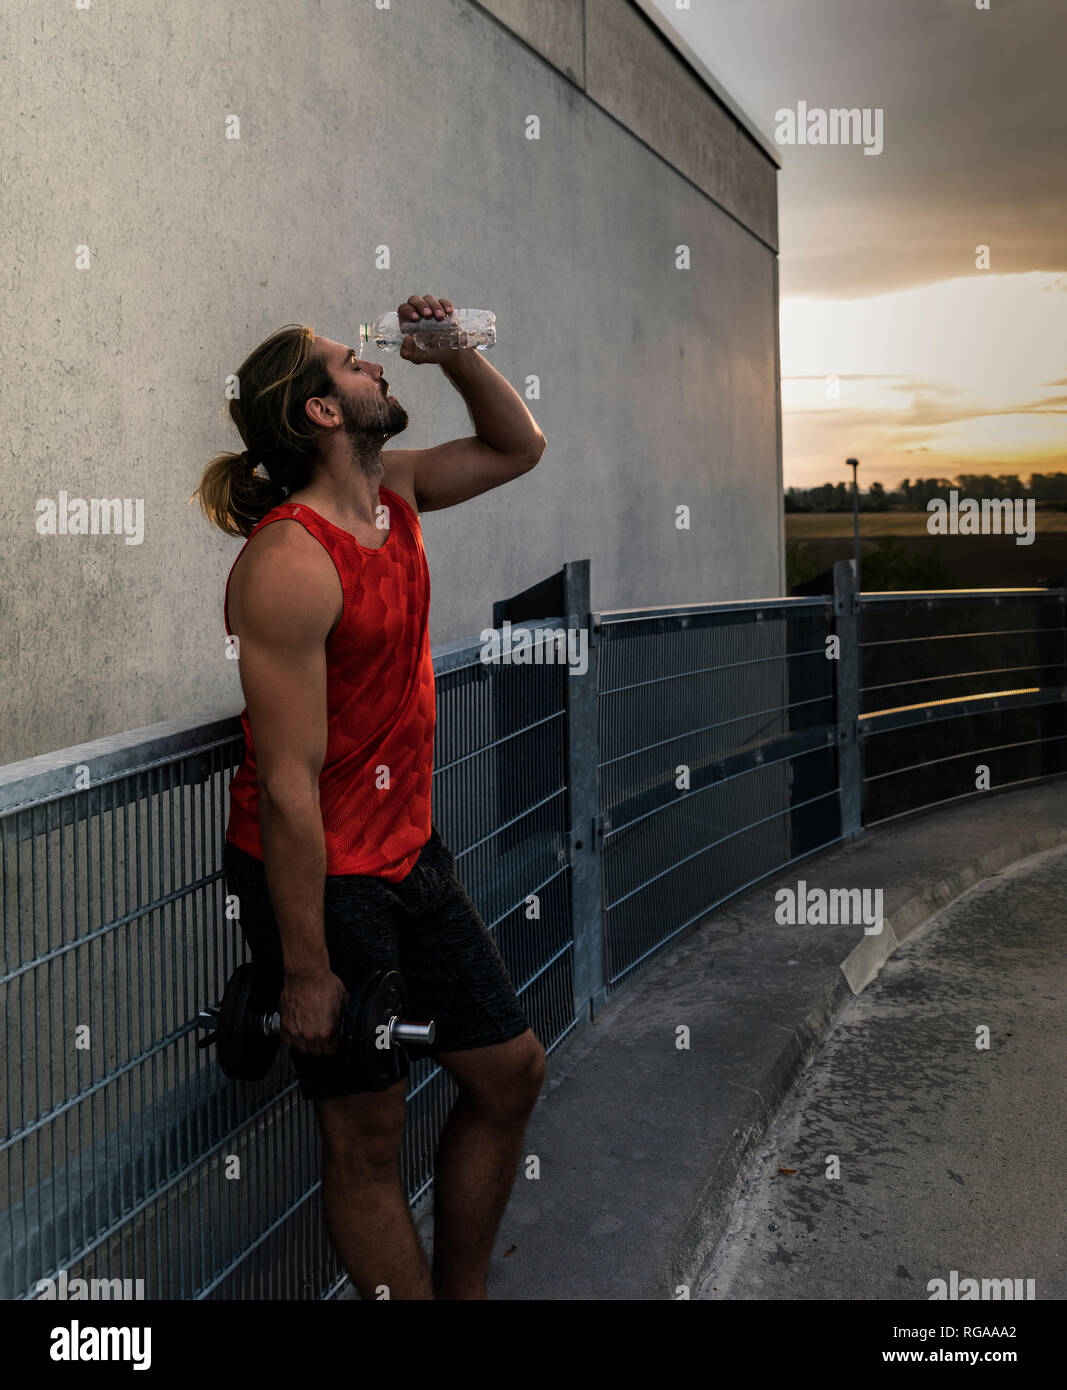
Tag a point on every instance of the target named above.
point(367, 1211)
point(478, 1157)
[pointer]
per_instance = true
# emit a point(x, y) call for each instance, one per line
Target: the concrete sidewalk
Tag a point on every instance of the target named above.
point(949, 1152)
point(641, 1145)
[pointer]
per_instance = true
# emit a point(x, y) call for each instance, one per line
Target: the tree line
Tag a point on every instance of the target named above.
point(913, 496)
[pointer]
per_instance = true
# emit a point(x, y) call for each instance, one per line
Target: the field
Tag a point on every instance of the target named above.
point(802, 526)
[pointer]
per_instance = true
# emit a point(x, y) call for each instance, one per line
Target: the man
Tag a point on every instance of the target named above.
point(330, 849)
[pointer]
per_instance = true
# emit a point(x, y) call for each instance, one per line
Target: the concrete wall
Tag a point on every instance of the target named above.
point(362, 127)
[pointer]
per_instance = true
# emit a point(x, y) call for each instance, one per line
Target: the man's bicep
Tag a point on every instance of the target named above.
point(284, 684)
point(289, 599)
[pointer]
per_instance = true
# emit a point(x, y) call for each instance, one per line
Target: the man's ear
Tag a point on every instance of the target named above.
point(318, 411)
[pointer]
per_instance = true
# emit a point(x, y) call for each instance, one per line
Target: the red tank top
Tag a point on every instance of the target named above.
point(374, 788)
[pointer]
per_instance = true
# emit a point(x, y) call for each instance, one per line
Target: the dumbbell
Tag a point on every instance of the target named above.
point(246, 1026)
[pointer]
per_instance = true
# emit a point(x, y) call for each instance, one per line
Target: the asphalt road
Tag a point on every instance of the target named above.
point(951, 1157)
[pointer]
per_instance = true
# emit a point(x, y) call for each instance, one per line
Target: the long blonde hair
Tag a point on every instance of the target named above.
point(274, 381)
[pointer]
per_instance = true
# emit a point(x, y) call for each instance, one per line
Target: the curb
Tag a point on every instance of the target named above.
point(703, 1230)
point(707, 1223)
point(864, 962)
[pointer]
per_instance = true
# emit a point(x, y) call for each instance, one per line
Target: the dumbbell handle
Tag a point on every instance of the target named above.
point(272, 1024)
point(398, 1031)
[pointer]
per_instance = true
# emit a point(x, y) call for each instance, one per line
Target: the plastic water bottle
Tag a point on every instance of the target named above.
point(474, 328)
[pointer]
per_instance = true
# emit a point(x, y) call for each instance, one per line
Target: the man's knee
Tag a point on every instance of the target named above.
point(366, 1129)
point(505, 1079)
point(535, 1070)
point(523, 1085)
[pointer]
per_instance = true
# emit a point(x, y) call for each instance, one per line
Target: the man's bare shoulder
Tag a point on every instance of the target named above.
point(287, 544)
point(283, 569)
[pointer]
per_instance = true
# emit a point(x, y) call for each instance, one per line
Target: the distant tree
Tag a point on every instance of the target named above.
point(1048, 487)
point(913, 495)
point(877, 500)
point(890, 566)
point(799, 566)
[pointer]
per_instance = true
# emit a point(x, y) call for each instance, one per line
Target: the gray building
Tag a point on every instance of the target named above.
point(179, 183)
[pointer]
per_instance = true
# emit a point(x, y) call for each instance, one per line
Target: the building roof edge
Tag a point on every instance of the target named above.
point(718, 90)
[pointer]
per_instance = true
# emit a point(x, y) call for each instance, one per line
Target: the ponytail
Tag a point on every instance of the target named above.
point(233, 496)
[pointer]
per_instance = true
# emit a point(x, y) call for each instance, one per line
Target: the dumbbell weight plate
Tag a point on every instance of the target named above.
point(382, 996)
point(246, 1053)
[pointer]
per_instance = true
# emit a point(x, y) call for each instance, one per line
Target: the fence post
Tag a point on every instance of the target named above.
point(583, 797)
point(847, 699)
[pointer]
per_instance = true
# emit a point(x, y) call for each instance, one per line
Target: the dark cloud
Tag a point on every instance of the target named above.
point(974, 132)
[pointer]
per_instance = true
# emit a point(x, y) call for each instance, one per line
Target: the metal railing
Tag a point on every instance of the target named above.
point(600, 803)
point(717, 760)
point(963, 691)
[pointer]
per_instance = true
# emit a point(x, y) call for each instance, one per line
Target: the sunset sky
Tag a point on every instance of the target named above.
point(942, 368)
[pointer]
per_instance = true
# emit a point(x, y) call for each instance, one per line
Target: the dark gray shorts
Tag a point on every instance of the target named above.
point(425, 926)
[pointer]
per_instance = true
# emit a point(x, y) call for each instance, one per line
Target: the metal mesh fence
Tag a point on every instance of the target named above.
point(961, 693)
point(126, 1153)
point(594, 820)
point(717, 761)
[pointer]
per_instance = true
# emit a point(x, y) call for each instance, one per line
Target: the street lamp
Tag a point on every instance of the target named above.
point(854, 465)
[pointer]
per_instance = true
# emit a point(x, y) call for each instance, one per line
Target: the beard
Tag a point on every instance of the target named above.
point(370, 421)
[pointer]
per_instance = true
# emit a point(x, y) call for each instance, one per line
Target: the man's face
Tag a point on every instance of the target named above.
point(367, 409)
